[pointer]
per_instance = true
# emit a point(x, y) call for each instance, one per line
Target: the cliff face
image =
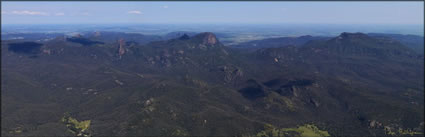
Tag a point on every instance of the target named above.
point(121, 49)
point(209, 39)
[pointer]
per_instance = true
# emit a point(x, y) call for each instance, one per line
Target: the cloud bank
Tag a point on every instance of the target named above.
point(134, 12)
point(26, 12)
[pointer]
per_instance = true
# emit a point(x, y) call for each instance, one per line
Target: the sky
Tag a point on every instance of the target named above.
point(60, 12)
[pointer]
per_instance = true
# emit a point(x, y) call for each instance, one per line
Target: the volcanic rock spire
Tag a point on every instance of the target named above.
point(121, 49)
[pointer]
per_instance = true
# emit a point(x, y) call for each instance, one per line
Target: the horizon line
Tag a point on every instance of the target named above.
point(212, 23)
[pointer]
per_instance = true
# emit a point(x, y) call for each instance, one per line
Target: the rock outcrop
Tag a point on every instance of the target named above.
point(121, 49)
point(97, 34)
point(47, 51)
point(184, 37)
point(206, 39)
point(231, 73)
point(77, 36)
point(209, 38)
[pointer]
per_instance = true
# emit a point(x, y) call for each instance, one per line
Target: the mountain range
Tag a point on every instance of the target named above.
point(109, 84)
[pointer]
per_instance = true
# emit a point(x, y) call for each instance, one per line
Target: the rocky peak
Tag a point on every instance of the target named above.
point(121, 48)
point(360, 44)
point(346, 35)
point(306, 36)
point(208, 38)
point(352, 38)
point(184, 37)
point(364, 38)
point(77, 36)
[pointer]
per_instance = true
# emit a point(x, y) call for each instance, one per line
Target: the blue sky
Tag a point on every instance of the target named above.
point(212, 12)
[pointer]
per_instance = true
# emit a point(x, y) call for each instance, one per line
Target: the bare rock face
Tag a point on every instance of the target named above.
point(121, 49)
point(315, 102)
point(205, 41)
point(47, 51)
point(210, 39)
point(375, 124)
point(231, 73)
point(119, 82)
point(77, 36)
point(97, 34)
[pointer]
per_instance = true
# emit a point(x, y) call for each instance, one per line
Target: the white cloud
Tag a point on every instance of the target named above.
point(59, 14)
point(134, 12)
point(26, 12)
point(165, 6)
point(3, 12)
